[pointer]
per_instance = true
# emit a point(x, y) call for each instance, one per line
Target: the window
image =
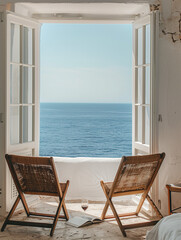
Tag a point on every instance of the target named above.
point(21, 84)
point(142, 87)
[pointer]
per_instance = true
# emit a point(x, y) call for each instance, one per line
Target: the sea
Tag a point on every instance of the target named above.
point(85, 129)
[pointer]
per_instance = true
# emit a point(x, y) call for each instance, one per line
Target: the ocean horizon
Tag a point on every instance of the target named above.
point(85, 129)
point(85, 103)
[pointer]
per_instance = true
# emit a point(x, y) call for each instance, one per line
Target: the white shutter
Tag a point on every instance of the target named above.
point(145, 65)
point(144, 77)
point(22, 92)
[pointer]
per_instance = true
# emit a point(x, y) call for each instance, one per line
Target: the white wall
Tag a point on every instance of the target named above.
point(169, 101)
point(2, 112)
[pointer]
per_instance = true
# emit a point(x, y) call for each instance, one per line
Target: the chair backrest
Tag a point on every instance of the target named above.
point(137, 173)
point(34, 175)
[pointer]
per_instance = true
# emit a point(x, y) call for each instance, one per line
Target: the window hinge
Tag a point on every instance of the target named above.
point(1, 118)
point(0, 194)
point(1, 16)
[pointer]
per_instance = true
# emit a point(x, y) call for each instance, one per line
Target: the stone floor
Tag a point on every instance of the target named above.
point(105, 230)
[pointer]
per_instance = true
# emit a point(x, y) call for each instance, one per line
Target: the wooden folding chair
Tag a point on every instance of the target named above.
point(37, 176)
point(135, 175)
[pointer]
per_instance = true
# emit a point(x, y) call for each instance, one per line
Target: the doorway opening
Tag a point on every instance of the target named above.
point(24, 33)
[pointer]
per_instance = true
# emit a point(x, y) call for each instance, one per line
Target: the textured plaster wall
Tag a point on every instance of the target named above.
point(169, 98)
point(2, 115)
point(79, 1)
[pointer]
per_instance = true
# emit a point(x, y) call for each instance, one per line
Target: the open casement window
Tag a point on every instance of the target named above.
point(144, 128)
point(144, 45)
point(22, 103)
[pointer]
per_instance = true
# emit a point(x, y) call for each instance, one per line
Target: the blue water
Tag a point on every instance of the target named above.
point(85, 130)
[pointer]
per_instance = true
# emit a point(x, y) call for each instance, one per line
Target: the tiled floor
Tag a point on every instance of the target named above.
point(105, 230)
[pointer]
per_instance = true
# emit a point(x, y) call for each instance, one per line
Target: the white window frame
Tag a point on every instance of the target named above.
point(26, 148)
point(138, 147)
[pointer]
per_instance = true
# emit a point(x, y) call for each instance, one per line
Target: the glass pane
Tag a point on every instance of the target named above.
point(147, 85)
point(27, 85)
point(140, 46)
point(27, 45)
point(27, 119)
point(14, 84)
point(147, 125)
point(147, 43)
point(139, 86)
point(139, 123)
point(15, 43)
point(14, 125)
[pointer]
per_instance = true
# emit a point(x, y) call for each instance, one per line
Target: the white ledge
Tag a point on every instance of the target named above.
point(85, 174)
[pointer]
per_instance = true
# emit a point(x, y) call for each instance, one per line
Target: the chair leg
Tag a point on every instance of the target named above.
point(169, 202)
point(158, 213)
point(10, 213)
point(56, 218)
point(25, 205)
point(117, 218)
point(65, 211)
point(59, 209)
point(104, 211)
point(63, 204)
point(143, 197)
point(106, 204)
point(114, 211)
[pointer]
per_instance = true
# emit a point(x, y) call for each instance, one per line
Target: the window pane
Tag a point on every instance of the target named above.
point(27, 85)
point(147, 43)
point(27, 45)
point(147, 125)
point(139, 86)
point(139, 123)
point(15, 43)
point(14, 125)
point(147, 85)
point(27, 119)
point(14, 84)
point(140, 46)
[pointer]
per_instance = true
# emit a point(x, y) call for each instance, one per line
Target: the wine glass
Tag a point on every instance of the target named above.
point(84, 204)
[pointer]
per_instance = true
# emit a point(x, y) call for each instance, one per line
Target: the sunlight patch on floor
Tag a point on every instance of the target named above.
point(105, 230)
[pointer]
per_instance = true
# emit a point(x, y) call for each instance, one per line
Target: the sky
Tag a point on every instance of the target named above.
point(90, 63)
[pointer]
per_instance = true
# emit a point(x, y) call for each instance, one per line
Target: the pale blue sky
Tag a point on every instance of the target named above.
point(86, 63)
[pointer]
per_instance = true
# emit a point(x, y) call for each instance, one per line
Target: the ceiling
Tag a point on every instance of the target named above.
point(48, 12)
